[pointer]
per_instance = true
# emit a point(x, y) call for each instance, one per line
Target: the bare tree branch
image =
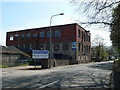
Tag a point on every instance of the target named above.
point(95, 23)
point(97, 11)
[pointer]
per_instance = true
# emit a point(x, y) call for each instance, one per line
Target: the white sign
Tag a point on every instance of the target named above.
point(40, 54)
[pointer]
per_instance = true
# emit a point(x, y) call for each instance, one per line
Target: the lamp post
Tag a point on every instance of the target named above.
point(51, 31)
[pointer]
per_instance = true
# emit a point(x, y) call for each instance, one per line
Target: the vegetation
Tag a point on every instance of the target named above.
point(15, 66)
point(98, 49)
point(115, 28)
point(102, 12)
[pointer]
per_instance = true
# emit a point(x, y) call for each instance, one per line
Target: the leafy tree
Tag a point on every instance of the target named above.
point(98, 48)
point(115, 28)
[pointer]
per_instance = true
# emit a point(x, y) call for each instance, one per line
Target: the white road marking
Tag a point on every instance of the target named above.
point(47, 85)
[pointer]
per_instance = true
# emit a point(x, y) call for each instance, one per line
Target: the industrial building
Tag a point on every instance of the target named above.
point(68, 42)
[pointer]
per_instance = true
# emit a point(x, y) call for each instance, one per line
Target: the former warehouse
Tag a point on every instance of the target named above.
point(68, 42)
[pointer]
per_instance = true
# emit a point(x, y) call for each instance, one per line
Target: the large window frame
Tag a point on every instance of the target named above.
point(79, 33)
point(11, 38)
point(42, 34)
point(57, 33)
point(49, 34)
point(56, 46)
point(35, 35)
point(22, 36)
point(65, 46)
point(28, 35)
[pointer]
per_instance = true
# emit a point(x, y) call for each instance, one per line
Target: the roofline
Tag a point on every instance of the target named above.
point(45, 27)
point(49, 27)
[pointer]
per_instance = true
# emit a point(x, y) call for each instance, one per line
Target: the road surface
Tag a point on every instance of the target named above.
point(72, 76)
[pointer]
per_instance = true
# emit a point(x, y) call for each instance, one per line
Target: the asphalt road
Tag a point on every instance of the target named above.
point(72, 76)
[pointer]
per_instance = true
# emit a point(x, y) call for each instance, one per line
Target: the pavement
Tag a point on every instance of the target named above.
point(72, 76)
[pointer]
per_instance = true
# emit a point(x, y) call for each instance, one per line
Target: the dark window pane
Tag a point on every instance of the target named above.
point(22, 35)
point(79, 47)
point(35, 35)
point(48, 46)
point(78, 33)
point(28, 35)
point(41, 47)
point(65, 46)
point(57, 33)
point(56, 46)
point(49, 34)
point(41, 34)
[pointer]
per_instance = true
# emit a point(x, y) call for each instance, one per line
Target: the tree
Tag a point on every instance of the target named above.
point(98, 48)
point(101, 12)
point(98, 11)
point(115, 28)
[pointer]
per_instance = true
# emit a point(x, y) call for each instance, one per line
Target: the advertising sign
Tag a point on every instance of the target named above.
point(40, 54)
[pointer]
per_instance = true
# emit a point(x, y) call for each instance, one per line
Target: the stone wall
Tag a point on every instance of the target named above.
point(9, 60)
point(54, 63)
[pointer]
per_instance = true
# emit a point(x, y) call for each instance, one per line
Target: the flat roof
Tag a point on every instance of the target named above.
point(46, 27)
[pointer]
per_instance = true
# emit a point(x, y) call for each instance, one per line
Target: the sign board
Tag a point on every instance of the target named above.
point(74, 46)
point(40, 54)
point(73, 49)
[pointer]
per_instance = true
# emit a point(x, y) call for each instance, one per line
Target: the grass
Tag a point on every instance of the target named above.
point(3, 66)
point(15, 66)
point(22, 65)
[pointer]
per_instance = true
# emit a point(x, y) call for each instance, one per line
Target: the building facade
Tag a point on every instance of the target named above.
point(69, 41)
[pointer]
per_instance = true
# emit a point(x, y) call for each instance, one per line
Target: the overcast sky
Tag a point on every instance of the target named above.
point(24, 15)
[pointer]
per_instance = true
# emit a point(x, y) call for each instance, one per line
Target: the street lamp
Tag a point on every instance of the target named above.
point(51, 31)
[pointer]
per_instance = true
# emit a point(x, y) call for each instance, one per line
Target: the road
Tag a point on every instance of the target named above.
point(72, 76)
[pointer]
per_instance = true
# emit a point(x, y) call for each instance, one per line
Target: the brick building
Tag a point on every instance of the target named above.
point(69, 41)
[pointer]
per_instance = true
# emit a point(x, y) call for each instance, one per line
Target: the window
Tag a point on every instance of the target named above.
point(47, 46)
point(78, 33)
point(24, 46)
point(16, 36)
point(28, 35)
point(30, 46)
point(89, 48)
point(41, 34)
point(18, 45)
point(65, 46)
point(22, 35)
point(56, 46)
point(89, 38)
point(78, 46)
point(27, 45)
point(35, 35)
point(11, 38)
point(48, 34)
point(82, 47)
point(34, 46)
point(41, 46)
point(82, 35)
point(57, 33)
